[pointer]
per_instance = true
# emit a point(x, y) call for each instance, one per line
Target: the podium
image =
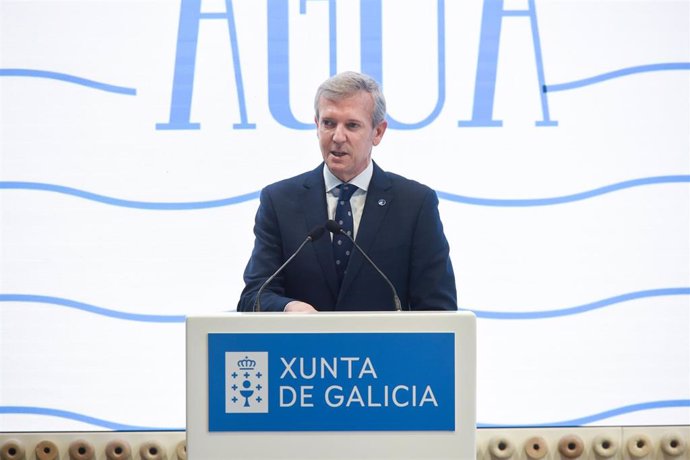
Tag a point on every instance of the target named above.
point(362, 385)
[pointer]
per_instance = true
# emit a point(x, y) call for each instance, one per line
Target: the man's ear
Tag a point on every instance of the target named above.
point(378, 132)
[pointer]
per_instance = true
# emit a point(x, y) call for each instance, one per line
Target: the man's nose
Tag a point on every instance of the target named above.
point(339, 134)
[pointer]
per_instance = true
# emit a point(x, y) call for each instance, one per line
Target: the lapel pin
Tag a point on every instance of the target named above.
point(382, 202)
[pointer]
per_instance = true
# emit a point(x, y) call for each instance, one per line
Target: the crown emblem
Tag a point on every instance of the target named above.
point(246, 364)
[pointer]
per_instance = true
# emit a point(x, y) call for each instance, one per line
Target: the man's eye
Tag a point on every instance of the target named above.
point(353, 125)
point(327, 123)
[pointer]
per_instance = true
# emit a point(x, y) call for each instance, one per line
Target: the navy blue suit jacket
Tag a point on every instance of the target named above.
point(400, 230)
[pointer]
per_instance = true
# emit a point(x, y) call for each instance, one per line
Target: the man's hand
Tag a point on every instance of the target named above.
point(299, 307)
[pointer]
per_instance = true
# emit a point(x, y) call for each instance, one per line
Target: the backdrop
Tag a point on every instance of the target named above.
point(136, 136)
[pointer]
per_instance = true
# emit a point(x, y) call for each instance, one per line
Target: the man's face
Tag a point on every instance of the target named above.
point(346, 135)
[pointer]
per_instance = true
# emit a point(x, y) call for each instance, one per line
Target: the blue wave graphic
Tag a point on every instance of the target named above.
point(483, 314)
point(32, 73)
point(639, 407)
point(617, 74)
point(523, 315)
point(155, 206)
point(93, 309)
point(185, 206)
point(566, 198)
point(29, 410)
point(646, 406)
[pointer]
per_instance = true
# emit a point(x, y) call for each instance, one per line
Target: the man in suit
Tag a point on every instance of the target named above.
point(395, 220)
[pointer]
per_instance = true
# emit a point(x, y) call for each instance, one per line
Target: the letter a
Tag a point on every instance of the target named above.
point(185, 64)
point(487, 64)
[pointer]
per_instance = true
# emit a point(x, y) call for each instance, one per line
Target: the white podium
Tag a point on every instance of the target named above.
point(389, 385)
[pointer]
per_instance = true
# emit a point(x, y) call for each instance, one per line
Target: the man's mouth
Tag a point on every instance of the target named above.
point(338, 154)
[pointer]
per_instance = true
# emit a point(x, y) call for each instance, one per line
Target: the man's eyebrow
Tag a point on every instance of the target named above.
point(349, 120)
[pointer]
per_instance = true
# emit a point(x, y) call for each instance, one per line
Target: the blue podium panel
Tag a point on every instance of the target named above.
point(331, 382)
point(331, 386)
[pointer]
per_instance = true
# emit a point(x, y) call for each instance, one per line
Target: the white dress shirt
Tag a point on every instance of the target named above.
point(358, 198)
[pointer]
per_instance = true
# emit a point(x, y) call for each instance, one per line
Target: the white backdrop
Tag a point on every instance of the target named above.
point(556, 133)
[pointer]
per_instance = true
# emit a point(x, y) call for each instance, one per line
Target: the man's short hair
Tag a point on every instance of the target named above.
point(348, 83)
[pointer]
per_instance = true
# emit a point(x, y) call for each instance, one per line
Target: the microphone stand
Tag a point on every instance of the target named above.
point(313, 235)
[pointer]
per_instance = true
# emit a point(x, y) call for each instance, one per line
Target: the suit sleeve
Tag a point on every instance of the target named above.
point(266, 258)
point(432, 281)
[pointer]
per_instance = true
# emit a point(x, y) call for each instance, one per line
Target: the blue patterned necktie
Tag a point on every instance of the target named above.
point(342, 246)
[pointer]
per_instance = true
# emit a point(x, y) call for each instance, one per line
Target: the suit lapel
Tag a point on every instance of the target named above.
point(315, 213)
point(379, 198)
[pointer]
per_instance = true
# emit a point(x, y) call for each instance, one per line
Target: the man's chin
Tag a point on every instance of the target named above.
point(338, 169)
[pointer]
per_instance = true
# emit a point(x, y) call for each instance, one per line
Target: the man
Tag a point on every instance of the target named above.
point(393, 219)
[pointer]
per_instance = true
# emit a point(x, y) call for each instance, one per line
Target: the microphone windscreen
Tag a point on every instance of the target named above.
point(333, 226)
point(317, 232)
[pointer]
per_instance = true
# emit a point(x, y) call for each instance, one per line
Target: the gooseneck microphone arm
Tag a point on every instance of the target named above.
point(313, 235)
point(334, 228)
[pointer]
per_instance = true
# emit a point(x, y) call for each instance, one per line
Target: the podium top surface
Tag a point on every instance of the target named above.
point(334, 321)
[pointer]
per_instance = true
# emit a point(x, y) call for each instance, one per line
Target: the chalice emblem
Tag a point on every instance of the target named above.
point(247, 392)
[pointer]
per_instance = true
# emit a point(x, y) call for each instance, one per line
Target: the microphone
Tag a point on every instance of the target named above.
point(334, 228)
point(313, 235)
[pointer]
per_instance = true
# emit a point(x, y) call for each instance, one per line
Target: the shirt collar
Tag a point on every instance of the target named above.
point(361, 181)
